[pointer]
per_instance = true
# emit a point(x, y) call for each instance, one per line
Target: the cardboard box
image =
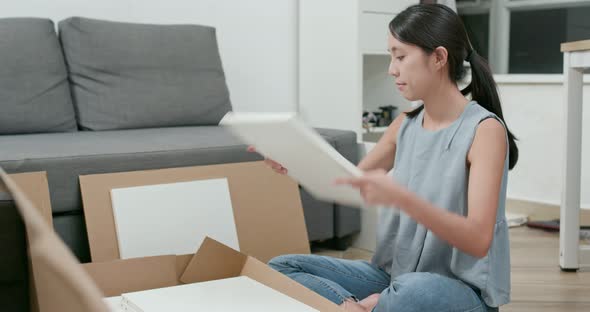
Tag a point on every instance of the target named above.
point(213, 261)
point(267, 207)
point(60, 283)
point(63, 284)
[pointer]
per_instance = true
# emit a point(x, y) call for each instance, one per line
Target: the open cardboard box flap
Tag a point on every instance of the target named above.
point(213, 261)
point(61, 283)
point(267, 207)
point(205, 266)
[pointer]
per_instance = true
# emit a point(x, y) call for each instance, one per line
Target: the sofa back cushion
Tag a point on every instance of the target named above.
point(127, 76)
point(34, 90)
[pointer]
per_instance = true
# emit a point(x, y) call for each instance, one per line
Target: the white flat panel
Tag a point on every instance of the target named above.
point(172, 218)
point(244, 294)
point(309, 159)
point(374, 31)
point(386, 6)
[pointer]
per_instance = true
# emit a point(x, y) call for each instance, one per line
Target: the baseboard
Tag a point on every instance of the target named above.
point(547, 202)
point(541, 211)
point(534, 210)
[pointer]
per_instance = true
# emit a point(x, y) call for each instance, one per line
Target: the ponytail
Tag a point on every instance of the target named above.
point(432, 25)
point(484, 91)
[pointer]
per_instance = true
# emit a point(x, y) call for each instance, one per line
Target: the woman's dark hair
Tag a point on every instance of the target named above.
point(429, 26)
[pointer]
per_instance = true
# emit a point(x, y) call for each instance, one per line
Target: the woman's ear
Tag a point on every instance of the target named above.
point(440, 57)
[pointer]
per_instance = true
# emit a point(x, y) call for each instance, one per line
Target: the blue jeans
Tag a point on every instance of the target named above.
point(339, 279)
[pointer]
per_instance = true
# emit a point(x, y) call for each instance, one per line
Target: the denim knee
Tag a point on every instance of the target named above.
point(408, 291)
point(284, 264)
point(420, 291)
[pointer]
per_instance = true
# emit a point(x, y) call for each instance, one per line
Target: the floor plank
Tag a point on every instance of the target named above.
point(538, 284)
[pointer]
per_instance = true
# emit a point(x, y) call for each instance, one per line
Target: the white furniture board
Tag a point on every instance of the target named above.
point(173, 218)
point(309, 159)
point(231, 294)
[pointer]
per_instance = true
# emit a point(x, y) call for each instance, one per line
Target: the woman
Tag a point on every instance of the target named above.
point(442, 240)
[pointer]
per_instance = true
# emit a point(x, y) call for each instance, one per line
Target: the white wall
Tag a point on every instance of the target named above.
point(257, 38)
point(329, 59)
point(379, 87)
point(534, 112)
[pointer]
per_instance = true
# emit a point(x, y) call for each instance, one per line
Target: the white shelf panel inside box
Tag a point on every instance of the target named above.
point(172, 218)
point(246, 295)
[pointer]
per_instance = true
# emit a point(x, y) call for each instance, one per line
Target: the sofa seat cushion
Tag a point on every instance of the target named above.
point(65, 156)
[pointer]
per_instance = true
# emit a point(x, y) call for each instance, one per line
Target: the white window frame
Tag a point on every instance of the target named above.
point(499, 36)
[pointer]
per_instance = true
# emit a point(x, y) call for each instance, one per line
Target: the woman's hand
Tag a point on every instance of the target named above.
point(376, 187)
point(278, 168)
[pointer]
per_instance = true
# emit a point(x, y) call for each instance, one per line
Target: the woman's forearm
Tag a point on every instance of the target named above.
point(459, 231)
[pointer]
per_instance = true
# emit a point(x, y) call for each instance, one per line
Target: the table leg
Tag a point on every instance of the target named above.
point(570, 195)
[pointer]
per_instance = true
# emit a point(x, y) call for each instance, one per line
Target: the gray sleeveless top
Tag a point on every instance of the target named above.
point(432, 164)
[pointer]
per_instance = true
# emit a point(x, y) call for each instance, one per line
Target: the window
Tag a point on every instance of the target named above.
point(528, 33)
point(478, 29)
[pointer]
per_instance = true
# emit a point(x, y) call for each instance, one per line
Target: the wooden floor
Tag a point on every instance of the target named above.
point(537, 282)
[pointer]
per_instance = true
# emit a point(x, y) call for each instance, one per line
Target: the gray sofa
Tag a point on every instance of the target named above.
point(110, 97)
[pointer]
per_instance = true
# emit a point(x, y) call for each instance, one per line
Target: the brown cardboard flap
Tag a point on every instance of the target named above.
point(34, 185)
point(262, 273)
point(182, 263)
point(60, 282)
point(267, 207)
point(213, 261)
point(122, 276)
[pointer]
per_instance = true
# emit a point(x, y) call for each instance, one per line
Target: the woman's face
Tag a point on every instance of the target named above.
point(414, 70)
